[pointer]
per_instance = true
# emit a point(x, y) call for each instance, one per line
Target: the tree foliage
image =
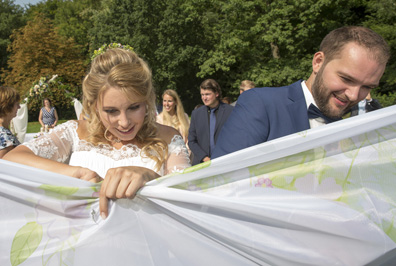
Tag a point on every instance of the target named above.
point(38, 50)
point(269, 42)
point(187, 41)
point(72, 18)
point(11, 17)
point(382, 19)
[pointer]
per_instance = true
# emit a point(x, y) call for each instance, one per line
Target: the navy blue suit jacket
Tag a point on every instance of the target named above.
point(198, 134)
point(263, 114)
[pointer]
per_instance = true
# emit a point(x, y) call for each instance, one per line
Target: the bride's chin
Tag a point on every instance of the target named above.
point(126, 138)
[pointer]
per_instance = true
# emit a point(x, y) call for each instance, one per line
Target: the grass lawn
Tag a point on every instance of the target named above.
point(34, 127)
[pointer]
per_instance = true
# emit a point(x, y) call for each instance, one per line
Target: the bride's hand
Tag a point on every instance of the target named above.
point(87, 175)
point(123, 182)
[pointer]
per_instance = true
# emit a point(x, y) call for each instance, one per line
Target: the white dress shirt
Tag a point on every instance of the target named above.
point(313, 122)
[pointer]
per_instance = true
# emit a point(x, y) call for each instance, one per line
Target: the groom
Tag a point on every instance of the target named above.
point(351, 62)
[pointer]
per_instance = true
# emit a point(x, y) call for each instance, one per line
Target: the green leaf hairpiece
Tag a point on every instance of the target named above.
point(106, 47)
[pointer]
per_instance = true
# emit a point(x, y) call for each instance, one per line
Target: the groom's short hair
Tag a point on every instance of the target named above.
point(335, 41)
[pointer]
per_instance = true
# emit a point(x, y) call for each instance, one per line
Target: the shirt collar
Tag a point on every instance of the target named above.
point(215, 108)
point(310, 100)
point(307, 95)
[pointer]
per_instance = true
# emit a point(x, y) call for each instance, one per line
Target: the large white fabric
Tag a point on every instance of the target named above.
point(325, 196)
point(20, 122)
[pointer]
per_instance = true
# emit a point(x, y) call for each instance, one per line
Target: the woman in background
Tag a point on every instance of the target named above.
point(173, 113)
point(48, 115)
point(9, 105)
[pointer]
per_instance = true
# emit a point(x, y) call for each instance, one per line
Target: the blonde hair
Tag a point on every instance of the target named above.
point(178, 121)
point(247, 83)
point(126, 71)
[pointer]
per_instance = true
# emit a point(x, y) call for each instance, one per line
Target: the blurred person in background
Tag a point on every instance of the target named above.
point(245, 85)
point(173, 114)
point(9, 105)
point(207, 122)
point(364, 106)
point(48, 115)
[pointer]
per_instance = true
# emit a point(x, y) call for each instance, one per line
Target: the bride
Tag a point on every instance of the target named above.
point(120, 141)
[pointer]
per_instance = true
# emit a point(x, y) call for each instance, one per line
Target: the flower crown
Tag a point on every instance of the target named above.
point(106, 47)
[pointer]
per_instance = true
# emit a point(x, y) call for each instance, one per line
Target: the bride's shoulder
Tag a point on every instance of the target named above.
point(82, 128)
point(167, 133)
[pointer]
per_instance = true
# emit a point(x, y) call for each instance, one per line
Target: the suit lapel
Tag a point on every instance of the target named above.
point(297, 107)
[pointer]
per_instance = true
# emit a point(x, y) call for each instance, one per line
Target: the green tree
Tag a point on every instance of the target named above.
point(183, 44)
point(47, 8)
point(37, 50)
point(269, 42)
point(73, 20)
point(382, 19)
point(11, 17)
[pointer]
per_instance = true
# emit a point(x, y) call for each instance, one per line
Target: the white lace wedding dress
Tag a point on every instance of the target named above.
point(64, 145)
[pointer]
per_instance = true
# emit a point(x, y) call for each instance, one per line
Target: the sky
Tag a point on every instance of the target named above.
point(25, 2)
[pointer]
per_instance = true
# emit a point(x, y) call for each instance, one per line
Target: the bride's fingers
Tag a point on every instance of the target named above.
point(112, 184)
point(120, 183)
point(95, 179)
point(103, 206)
point(103, 201)
point(88, 175)
point(133, 187)
point(123, 186)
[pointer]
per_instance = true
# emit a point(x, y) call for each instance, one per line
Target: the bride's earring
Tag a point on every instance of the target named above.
point(109, 140)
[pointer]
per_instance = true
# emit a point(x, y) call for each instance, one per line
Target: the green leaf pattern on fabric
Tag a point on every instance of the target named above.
point(197, 167)
point(339, 171)
point(357, 172)
point(59, 190)
point(60, 234)
point(25, 242)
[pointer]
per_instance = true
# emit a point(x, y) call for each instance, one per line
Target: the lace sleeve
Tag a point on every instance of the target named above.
point(178, 158)
point(57, 145)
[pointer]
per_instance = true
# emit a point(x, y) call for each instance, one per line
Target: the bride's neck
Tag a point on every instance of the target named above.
point(119, 145)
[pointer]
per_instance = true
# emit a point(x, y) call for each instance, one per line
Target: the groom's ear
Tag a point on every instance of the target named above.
point(318, 61)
